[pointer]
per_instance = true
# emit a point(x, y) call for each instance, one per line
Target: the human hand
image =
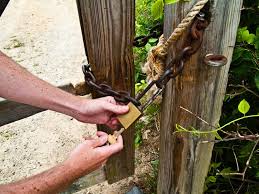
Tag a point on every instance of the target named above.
point(92, 154)
point(101, 111)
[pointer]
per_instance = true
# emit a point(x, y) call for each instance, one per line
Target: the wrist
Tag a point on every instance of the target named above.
point(73, 169)
point(72, 107)
point(78, 109)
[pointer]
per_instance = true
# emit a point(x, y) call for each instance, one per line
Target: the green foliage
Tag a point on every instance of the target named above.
point(144, 22)
point(243, 84)
point(152, 178)
point(243, 106)
point(243, 87)
point(139, 87)
point(157, 9)
point(244, 36)
point(148, 119)
point(171, 1)
point(138, 135)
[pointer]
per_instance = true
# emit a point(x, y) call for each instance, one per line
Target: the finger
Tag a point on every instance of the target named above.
point(117, 109)
point(101, 133)
point(87, 138)
point(110, 99)
point(100, 141)
point(112, 149)
point(114, 121)
point(111, 125)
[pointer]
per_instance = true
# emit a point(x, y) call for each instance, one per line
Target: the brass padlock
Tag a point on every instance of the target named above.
point(129, 118)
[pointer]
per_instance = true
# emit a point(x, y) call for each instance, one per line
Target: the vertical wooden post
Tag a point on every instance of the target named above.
point(108, 33)
point(184, 160)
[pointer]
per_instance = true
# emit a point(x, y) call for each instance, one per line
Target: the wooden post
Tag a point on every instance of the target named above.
point(108, 33)
point(184, 160)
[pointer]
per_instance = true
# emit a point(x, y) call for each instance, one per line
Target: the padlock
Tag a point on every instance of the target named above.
point(129, 118)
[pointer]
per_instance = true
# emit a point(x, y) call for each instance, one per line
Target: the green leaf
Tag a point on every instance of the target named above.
point(257, 175)
point(257, 80)
point(251, 39)
point(157, 9)
point(225, 172)
point(148, 47)
point(171, 1)
point(152, 40)
point(240, 34)
point(243, 106)
point(245, 35)
point(212, 179)
point(215, 165)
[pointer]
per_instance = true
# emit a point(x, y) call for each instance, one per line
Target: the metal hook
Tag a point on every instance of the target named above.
point(215, 60)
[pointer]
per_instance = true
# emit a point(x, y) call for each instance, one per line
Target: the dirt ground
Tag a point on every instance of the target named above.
point(45, 38)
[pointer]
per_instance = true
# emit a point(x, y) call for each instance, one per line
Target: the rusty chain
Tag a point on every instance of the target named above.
point(154, 32)
point(173, 69)
point(106, 90)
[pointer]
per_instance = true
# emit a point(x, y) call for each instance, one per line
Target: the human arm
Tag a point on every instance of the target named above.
point(17, 84)
point(85, 158)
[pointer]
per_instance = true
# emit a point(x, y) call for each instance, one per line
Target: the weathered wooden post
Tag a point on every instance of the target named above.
point(184, 160)
point(108, 33)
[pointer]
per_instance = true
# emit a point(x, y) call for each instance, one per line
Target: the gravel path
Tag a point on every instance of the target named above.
point(45, 38)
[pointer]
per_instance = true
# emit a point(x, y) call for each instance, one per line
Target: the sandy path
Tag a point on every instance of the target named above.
point(49, 33)
point(44, 37)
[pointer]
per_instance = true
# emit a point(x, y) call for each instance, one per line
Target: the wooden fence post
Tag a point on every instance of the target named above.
point(108, 33)
point(184, 160)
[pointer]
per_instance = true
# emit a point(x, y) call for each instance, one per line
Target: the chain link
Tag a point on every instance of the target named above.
point(106, 90)
point(173, 69)
point(154, 32)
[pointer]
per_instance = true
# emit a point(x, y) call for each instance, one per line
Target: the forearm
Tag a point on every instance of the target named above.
point(17, 84)
point(52, 181)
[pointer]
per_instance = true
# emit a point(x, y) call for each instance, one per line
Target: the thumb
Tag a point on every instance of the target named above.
point(100, 141)
point(117, 109)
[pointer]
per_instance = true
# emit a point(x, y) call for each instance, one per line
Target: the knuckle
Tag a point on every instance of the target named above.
point(110, 98)
point(120, 147)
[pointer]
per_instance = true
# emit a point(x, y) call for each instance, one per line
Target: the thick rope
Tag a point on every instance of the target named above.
point(155, 65)
point(184, 24)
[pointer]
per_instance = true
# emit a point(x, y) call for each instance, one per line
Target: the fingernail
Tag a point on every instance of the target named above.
point(114, 122)
point(125, 107)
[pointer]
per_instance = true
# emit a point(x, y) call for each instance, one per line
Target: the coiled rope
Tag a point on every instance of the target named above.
point(155, 65)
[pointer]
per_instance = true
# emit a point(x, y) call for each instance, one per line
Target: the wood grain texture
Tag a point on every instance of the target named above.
point(108, 33)
point(13, 111)
point(184, 160)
